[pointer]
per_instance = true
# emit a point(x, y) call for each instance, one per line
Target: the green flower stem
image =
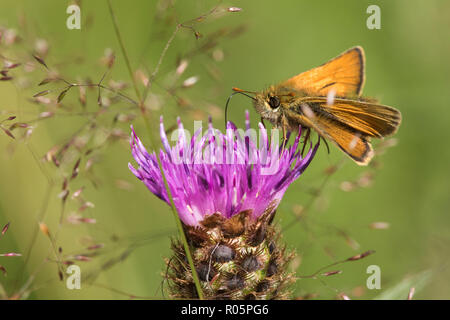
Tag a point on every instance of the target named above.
point(130, 71)
point(183, 235)
point(147, 124)
point(122, 47)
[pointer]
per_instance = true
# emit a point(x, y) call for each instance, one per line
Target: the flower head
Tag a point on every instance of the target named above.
point(220, 173)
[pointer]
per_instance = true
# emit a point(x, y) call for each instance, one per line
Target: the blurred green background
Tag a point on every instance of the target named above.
point(407, 66)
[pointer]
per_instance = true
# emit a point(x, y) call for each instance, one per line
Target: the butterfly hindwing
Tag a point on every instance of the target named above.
point(354, 143)
point(370, 118)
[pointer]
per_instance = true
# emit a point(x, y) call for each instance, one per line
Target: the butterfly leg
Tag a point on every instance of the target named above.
point(284, 126)
point(326, 143)
point(284, 138)
point(307, 135)
point(262, 121)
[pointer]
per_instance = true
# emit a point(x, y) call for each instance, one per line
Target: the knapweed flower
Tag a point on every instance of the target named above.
point(226, 189)
point(219, 173)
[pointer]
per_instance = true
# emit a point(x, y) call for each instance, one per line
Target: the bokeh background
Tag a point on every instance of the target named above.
point(407, 188)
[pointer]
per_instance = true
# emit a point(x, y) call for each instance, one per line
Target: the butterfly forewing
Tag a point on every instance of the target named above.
point(344, 75)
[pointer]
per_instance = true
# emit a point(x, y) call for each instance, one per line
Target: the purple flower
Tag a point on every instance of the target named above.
point(220, 173)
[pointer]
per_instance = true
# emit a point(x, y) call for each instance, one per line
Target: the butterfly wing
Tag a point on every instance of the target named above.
point(354, 143)
point(348, 123)
point(371, 119)
point(343, 75)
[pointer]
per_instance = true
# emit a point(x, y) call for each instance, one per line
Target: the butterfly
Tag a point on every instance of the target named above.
point(327, 99)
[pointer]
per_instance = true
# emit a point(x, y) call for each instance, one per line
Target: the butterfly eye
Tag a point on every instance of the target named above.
point(274, 102)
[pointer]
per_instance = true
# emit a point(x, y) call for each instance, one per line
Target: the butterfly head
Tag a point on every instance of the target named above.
point(268, 105)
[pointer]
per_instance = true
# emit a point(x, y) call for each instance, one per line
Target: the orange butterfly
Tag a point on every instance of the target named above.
point(328, 100)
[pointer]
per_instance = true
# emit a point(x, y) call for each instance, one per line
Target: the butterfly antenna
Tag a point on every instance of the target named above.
point(243, 91)
point(236, 91)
